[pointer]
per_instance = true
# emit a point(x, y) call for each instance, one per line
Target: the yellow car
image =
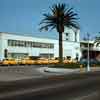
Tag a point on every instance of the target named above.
point(53, 61)
point(18, 61)
point(66, 61)
point(27, 61)
point(42, 61)
point(9, 62)
point(0, 62)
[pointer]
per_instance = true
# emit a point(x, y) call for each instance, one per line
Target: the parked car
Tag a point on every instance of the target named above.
point(9, 62)
point(42, 61)
point(85, 61)
point(53, 61)
point(27, 61)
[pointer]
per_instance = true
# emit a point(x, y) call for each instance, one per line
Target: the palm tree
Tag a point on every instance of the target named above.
point(59, 18)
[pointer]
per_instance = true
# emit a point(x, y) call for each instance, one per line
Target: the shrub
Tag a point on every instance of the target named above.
point(69, 65)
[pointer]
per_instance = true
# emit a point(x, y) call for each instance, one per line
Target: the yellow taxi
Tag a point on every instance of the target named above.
point(0, 62)
point(18, 61)
point(53, 61)
point(9, 62)
point(42, 61)
point(27, 61)
point(66, 61)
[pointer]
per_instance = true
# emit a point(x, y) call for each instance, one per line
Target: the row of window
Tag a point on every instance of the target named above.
point(86, 45)
point(29, 44)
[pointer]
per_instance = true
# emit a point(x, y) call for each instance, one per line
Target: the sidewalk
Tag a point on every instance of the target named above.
point(67, 71)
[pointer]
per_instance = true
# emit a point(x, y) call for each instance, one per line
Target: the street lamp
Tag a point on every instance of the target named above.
point(88, 63)
point(48, 54)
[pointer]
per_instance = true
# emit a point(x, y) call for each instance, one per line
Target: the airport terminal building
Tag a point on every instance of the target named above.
point(20, 46)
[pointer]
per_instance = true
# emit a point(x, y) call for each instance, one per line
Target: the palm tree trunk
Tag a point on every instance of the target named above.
point(60, 48)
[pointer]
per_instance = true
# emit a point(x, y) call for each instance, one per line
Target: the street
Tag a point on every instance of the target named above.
point(17, 72)
point(84, 86)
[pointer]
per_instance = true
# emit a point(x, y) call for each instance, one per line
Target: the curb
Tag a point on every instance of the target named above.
point(59, 70)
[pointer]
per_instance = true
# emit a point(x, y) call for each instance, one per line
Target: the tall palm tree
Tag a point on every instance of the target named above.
point(59, 18)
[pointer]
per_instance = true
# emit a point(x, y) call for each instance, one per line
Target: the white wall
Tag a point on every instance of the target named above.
point(70, 48)
point(1, 47)
point(71, 36)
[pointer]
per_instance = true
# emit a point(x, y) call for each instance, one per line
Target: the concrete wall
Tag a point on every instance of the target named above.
point(72, 34)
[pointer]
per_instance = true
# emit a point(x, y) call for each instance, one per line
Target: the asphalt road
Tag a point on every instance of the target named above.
point(84, 86)
point(9, 73)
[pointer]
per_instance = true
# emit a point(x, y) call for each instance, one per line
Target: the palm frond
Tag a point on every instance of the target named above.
point(69, 10)
point(59, 17)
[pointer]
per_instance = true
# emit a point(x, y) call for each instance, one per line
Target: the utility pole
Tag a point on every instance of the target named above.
point(88, 63)
point(48, 54)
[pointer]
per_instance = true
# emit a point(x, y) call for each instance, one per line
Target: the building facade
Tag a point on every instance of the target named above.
point(94, 51)
point(21, 46)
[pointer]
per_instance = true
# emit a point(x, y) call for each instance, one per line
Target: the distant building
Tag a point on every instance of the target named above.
point(94, 52)
point(20, 46)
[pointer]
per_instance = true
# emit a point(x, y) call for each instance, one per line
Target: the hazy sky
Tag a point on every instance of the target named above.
point(23, 16)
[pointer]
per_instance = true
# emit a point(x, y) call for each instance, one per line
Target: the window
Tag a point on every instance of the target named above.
point(67, 34)
point(47, 55)
point(67, 39)
point(75, 37)
point(33, 44)
point(9, 43)
point(13, 42)
point(29, 44)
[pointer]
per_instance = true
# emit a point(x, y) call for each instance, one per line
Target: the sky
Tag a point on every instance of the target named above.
point(24, 16)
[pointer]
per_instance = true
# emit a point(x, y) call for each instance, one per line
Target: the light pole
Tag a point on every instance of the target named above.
point(88, 63)
point(48, 54)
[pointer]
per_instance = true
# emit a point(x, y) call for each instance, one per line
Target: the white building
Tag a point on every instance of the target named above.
point(19, 46)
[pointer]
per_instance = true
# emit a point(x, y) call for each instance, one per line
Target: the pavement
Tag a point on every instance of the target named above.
point(13, 73)
point(64, 71)
point(84, 86)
